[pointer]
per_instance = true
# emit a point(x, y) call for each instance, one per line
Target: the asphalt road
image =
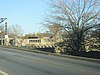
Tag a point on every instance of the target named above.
point(16, 62)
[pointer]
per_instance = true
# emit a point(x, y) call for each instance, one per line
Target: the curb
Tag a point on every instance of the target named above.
point(54, 54)
point(82, 58)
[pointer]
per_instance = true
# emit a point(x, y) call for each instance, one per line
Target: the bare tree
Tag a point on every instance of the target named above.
point(76, 17)
point(15, 31)
point(56, 30)
point(2, 32)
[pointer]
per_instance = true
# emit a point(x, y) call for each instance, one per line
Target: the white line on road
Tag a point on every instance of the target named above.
point(11, 53)
point(3, 73)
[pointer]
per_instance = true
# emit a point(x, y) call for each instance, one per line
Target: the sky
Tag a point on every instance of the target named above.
point(26, 13)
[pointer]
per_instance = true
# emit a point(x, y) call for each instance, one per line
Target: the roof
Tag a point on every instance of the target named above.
point(34, 37)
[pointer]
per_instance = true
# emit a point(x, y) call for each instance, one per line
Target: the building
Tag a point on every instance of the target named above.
point(38, 42)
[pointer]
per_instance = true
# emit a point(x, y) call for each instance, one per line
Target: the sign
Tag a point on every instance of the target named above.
point(6, 36)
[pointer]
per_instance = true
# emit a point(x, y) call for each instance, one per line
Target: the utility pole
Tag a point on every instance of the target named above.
point(5, 28)
point(2, 20)
point(6, 35)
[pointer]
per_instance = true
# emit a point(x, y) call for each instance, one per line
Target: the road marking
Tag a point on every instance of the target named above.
point(3, 73)
point(10, 53)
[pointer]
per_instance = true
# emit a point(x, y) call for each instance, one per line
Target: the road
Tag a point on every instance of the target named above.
point(17, 62)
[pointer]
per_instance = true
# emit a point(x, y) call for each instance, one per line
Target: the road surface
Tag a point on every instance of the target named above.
point(17, 62)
